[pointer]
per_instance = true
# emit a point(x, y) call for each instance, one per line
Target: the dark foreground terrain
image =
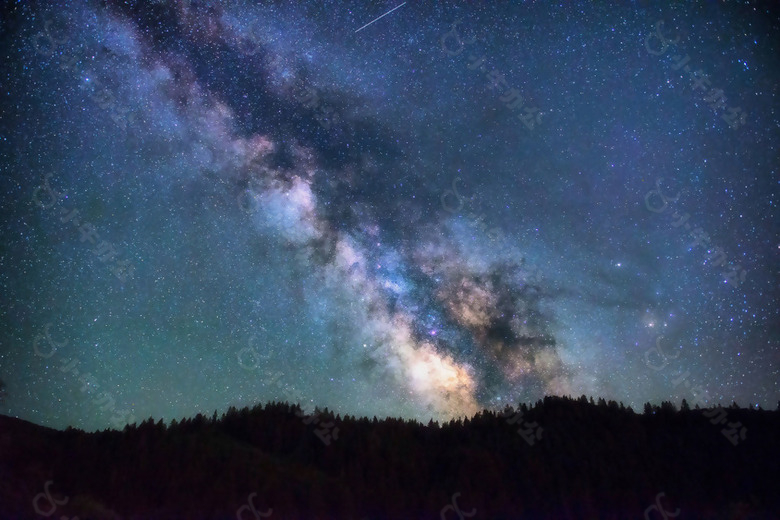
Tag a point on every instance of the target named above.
point(573, 459)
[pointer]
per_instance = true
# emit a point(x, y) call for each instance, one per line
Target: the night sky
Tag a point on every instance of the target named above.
point(215, 204)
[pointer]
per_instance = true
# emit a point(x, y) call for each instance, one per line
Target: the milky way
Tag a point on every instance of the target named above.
point(209, 204)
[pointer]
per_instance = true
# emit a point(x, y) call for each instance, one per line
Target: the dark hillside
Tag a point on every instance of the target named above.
point(589, 461)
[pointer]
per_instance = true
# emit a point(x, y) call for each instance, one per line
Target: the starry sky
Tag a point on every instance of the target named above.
point(455, 206)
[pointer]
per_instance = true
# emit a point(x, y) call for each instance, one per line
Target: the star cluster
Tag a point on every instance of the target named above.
point(209, 204)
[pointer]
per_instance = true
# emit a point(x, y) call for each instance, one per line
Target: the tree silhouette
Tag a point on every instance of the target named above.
point(592, 461)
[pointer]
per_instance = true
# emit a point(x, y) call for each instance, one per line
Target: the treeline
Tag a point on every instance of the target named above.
point(557, 458)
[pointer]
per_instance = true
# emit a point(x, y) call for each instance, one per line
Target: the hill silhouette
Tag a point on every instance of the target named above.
point(558, 458)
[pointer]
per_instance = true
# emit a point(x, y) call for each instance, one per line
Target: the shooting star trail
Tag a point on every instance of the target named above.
point(372, 21)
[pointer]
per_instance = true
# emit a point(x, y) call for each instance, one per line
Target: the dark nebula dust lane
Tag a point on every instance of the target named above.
point(209, 204)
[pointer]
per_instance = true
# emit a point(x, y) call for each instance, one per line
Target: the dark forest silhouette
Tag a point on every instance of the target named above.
point(573, 458)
